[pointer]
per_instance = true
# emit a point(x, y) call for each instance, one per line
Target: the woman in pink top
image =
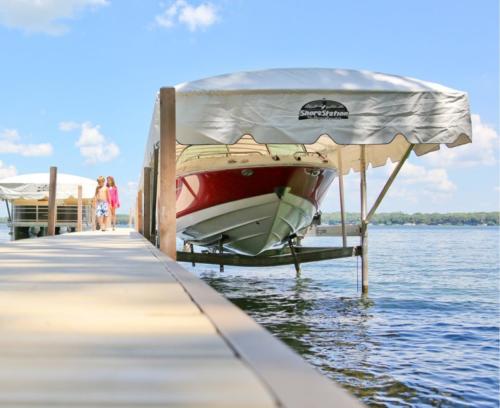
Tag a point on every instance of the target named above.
point(113, 200)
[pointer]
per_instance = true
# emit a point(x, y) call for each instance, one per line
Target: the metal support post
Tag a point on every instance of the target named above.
point(79, 211)
point(341, 195)
point(51, 227)
point(364, 224)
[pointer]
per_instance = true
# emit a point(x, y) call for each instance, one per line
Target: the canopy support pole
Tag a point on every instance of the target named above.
point(10, 219)
point(147, 203)
point(341, 196)
point(79, 214)
point(8, 210)
point(52, 219)
point(389, 182)
point(167, 196)
point(364, 224)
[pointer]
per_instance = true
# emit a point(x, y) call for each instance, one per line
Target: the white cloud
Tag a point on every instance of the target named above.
point(93, 145)
point(68, 126)
point(194, 17)
point(6, 170)
point(482, 151)
point(427, 186)
point(11, 135)
point(416, 188)
point(43, 16)
point(419, 184)
point(433, 180)
point(10, 143)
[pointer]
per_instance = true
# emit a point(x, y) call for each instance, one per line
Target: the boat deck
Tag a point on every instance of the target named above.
point(103, 319)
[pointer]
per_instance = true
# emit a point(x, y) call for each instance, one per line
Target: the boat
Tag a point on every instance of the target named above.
point(249, 197)
point(26, 199)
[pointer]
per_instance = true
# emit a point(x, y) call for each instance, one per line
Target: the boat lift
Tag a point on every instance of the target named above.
point(361, 118)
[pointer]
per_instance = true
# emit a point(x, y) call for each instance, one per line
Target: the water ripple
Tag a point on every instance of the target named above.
point(427, 335)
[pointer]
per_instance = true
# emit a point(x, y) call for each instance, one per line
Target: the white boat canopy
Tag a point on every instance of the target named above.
point(323, 109)
point(36, 187)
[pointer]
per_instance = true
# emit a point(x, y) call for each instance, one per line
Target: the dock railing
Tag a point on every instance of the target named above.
point(33, 215)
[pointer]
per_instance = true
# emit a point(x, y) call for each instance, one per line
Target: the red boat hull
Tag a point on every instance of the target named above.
point(199, 191)
point(251, 209)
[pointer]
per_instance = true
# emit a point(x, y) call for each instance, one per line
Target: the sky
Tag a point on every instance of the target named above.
point(79, 78)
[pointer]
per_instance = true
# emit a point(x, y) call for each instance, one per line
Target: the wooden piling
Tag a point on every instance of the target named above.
point(147, 203)
point(364, 224)
point(154, 195)
point(52, 217)
point(79, 208)
point(140, 227)
point(167, 193)
point(136, 225)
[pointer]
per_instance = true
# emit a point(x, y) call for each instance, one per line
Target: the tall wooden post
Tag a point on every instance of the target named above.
point(51, 227)
point(79, 208)
point(167, 196)
point(140, 227)
point(147, 203)
point(154, 195)
point(364, 224)
point(341, 195)
point(136, 213)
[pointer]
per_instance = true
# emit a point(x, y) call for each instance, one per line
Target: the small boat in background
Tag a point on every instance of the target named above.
point(248, 197)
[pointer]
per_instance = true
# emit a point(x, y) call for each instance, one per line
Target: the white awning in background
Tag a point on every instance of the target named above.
point(335, 107)
point(36, 186)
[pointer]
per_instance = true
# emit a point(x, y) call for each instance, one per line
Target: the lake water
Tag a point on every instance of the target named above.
point(426, 336)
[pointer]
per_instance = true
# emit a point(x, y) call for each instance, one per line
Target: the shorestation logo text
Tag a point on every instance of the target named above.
point(323, 109)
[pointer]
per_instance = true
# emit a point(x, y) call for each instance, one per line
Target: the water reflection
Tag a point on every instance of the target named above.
point(427, 336)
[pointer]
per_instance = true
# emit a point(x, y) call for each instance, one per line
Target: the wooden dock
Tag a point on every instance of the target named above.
point(103, 319)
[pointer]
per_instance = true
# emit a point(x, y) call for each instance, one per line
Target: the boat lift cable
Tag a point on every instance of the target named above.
point(357, 274)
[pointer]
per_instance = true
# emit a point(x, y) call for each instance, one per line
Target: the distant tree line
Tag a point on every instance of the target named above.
point(122, 219)
point(400, 218)
point(394, 218)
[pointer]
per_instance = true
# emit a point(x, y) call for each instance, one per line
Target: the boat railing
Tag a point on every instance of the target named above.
point(271, 151)
point(219, 154)
point(299, 155)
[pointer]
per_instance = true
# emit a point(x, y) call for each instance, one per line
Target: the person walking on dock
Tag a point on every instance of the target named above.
point(101, 200)
point(113, 201)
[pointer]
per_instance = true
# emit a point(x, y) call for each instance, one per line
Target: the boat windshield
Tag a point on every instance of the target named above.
point(245, 146)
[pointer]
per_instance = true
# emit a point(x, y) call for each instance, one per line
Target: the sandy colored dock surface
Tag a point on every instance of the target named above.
point(99, 319)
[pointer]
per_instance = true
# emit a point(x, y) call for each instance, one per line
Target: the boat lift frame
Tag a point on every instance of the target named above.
point(158, 208)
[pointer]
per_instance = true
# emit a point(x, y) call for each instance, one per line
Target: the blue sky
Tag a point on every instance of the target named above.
point(80, 76)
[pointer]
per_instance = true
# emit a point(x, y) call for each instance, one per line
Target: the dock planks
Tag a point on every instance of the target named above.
point(100, 319)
